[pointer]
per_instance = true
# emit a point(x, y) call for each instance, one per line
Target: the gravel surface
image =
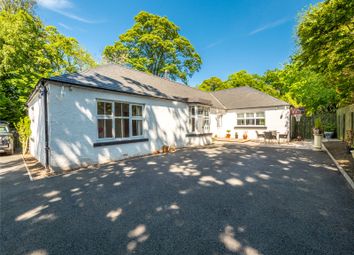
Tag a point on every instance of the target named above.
point(230, 199)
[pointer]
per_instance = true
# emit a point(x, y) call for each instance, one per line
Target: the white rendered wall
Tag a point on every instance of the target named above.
point(36, 115)
point(73, 127)
point(276, 119)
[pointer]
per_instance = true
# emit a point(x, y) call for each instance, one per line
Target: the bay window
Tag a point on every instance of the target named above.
point(199, 119)
point(250, 119)
point(119, 120)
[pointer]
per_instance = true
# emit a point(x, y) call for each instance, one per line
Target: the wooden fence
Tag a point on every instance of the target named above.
point(306, 124)
point(345, 120)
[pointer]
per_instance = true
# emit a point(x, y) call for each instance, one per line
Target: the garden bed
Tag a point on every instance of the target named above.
point(339, 152)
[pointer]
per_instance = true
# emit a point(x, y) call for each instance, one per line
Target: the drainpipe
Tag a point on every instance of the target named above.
point(44, 93)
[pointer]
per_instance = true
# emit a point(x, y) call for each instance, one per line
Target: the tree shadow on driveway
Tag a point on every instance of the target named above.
point(230, 199)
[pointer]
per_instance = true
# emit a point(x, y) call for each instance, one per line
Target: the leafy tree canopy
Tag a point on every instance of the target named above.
point(302, 87)
point(29, 51)
point(13, 6)
point(320, 76)
point(154, 45)
point(212, 84)
point(326, 44)
point(243, 78)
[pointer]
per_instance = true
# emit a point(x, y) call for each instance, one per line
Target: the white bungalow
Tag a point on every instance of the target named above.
point(112, 112)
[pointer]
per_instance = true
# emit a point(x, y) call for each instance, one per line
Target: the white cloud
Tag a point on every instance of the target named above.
point(65, 26)
point(55, 4)
point(76, 17)
point(213, 44)
point(269, 26)
point(61, 7)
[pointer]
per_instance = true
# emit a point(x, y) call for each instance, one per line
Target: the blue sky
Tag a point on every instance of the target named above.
point(229, 35)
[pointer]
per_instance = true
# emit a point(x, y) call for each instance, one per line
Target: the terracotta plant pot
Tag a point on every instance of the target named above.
point(228, 136)
point(245, 136)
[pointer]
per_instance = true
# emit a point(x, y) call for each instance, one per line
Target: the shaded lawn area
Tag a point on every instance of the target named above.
point(231, 199)
point(344, 159)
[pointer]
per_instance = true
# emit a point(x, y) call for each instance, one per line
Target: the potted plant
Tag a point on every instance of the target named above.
point(329, 129)
point(228, 135)
point(245, 135)
point(317, 133)
point(236, 135)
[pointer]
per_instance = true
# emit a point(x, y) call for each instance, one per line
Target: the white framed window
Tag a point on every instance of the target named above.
point(119, 120)
point(250, 119)
point(104, 119)
point(137, 120)
point(199, 119)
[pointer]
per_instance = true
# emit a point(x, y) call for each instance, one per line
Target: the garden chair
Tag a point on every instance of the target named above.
point(267, 136)
point(274, 136)
point(284, 136)
point(259, 135)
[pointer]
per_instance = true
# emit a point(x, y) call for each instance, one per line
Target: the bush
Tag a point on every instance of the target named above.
point(329, 127)
point(23, 128)
point(318, 123)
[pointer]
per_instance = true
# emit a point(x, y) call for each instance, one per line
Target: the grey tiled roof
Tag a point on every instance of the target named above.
point(118, 78)
point(121, 79)
point(246, 97)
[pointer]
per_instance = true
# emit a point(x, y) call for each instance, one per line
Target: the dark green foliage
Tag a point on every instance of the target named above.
point(154, 45)
point(28, 52)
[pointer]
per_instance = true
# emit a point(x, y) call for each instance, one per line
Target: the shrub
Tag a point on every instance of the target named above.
point(318, 123)
point(23, 128)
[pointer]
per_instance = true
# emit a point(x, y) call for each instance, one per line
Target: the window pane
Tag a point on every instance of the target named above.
point(192, 123)
point(108, 108)
point(125, 127)
point(137, 110)
point(118, 128)
point(192, 110)
point(206, 111)
point(100, 108)
point(200, 110)
point(137, 127)
point(240, 115)
point(260, 114)
point(206, 125)
point(249, 121)
point(100, 128)
point(250, 114)
point(240, 122)
point(109, 128)
point(118, 109)
point(125, 110)
point(260, 122)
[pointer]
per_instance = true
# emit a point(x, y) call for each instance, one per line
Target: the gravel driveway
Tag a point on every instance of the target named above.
point(231, 199)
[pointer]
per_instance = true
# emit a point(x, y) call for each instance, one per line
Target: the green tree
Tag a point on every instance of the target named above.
point(302, 87)
point(212, 84)
point(13, 6)
point(29, 51)
point(326, 44)
point(154, 45)
point(23, 127)
point(243, 78)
